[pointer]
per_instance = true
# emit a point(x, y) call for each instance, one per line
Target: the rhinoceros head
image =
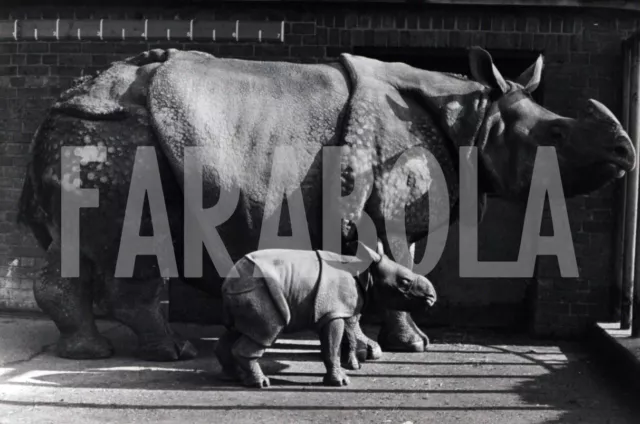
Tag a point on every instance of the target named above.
point(592, 149)
point(397, 287)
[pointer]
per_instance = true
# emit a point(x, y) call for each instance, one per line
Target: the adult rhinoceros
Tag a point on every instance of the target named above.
point(239, 111)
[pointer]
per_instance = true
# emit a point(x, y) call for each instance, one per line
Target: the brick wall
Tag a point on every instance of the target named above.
point(582, 50)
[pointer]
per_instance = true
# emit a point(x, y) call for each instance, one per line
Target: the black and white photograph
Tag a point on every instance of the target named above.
point(329, 211)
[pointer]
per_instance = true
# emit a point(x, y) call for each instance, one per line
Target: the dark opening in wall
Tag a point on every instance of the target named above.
point(510, 63)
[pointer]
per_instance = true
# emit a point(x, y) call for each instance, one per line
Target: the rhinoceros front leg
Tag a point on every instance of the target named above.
point(399, 332)
point(68, 302)
point(348, 351)
point(357, 347)
point(136, 303)
point(330, 338)
point(366, 348)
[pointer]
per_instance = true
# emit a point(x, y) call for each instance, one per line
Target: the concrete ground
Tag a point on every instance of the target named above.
point(465, 377)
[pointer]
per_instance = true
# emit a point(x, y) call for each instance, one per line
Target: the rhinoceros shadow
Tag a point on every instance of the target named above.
point(475, 372)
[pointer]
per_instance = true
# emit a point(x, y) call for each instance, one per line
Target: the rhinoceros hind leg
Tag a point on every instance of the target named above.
point(230, 370)
point(136, 303)
point(246, 353)
point(400, 334)
point(68, 302)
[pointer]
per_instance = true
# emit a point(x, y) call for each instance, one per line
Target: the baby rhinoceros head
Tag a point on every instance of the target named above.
point(397, 287)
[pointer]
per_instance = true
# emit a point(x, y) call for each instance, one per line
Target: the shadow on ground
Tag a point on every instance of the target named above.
point(474, 377)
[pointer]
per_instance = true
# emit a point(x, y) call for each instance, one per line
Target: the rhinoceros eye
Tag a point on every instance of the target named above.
point(405, 283)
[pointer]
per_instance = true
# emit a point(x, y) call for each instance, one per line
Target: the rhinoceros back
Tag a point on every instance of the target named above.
point(239, 114)
point(290, 290)
point(317, 286)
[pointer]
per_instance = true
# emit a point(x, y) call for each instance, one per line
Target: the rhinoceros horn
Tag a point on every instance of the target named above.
point(596, 111)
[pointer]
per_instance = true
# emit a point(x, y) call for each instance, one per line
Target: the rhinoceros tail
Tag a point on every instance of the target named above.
point(29, 212)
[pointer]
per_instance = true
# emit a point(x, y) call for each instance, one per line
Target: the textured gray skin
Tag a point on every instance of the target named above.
point(257, 308)
point(68, 301)
point(161, 98)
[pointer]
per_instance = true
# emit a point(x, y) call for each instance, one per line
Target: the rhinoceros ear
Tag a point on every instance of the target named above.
point(484, 71)
point(530, 79)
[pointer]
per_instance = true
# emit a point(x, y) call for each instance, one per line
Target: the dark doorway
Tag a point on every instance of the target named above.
point(511, 63)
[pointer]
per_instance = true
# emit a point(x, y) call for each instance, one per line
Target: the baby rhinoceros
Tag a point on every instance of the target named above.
point(282, 291)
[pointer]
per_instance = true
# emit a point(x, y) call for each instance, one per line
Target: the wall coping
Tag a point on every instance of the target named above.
point(632, 5)
point(606, 4)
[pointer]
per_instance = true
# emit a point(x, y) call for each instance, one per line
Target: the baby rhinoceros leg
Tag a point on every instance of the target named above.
point(330, 339)
point(224, 354)
point(349, 347)
point(246, 353)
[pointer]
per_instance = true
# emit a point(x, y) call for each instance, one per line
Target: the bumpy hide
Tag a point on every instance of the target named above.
point(238, 112)
point(393, 108)
point(107, 111)
point(115, 102)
